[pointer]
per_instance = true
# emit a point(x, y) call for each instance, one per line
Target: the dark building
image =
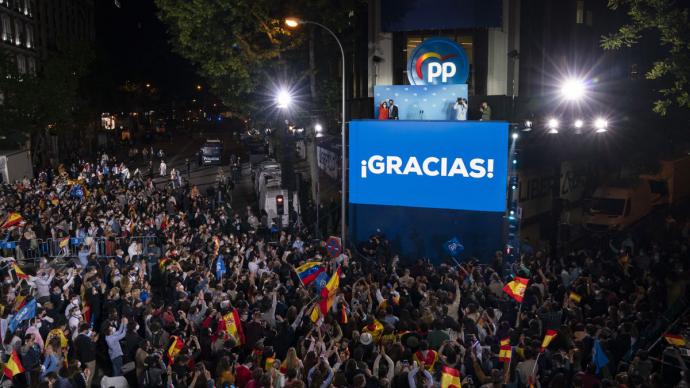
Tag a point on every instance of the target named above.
point(18, 33)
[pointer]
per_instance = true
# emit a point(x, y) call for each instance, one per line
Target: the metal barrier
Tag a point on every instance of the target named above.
point(30, 251)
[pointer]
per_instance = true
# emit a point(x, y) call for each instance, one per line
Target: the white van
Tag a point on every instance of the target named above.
point(615, 208)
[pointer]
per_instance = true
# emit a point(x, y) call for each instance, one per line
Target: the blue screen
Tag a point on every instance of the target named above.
point(429, 102)
point(460, 165)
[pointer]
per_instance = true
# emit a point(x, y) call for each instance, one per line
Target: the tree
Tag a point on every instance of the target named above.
point(47, 101)
point(238, 45)
point(669, 21)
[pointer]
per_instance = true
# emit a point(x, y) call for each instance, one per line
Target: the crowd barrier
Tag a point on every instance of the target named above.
point(30, 251)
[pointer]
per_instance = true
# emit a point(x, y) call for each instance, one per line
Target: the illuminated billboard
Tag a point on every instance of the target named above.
point(457, 165)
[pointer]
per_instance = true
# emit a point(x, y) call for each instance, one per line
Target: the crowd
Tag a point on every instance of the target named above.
point(190, 294)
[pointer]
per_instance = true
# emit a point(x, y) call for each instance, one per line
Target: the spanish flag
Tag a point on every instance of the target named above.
point(309, 271)
point(550, 335)
point(314, 315)
point(505, 352)
point(575, 297)
point(19, 302)
point(175, 348)
point(59, 334)
point(13, 219)
point(328, 292)
point(18, 271)
point(450, 378)
point(216, 246)
point(516, 288)
point(343, 314)
point(375, 329)
point(233, 326)
point(64, 242)
point(55, 201)
point(163, 262)
point(13, 366)
point(674, 339)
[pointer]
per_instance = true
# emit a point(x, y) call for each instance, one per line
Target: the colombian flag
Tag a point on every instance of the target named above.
point(13, 366)
point(175, 348)
point(575, 297)
point(13, 219)
point(328, 292)
point(505, 352)
point(450, 378)
point(550, 335)
point(233, 326)
point(674, 339)
point(18, 271)
point(516, 288)
point(308, 271)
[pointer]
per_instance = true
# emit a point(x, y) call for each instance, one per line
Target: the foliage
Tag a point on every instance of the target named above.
point(239, 45)
point(49, 99)
point(670, 22)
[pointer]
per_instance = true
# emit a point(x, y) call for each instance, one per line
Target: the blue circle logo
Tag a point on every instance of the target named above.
point(438, 61)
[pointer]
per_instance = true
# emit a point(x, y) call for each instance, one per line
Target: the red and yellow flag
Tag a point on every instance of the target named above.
point(233, 326)
point(329, 291)
point(674, 339)
point(505, 352)
point(175, 348)
point(18, 271)
point(375, 329)
point(216, 246)
point(19, 302)
point(343, 314)
point(516, 288)
point(13, 366)
point(450, 378)
point(575, 297)
point(13, 219)
point(550, 335)
point(64, 242)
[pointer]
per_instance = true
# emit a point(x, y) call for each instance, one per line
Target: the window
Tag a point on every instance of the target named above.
point(29, 36)
point(580, 12)
point(21, 64)
point(31, 65)
point(6, 27)
point(18, 31)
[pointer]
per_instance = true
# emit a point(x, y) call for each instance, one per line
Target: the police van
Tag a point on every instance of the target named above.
point(211, 153)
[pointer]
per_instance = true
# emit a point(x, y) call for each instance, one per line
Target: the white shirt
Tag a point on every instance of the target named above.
point(460, 111)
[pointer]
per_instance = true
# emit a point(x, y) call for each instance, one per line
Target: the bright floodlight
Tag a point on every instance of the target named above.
point(283, 99)
point(573, 89)
point(515, 135)
point(552, 124)
point(292, 22)
point(579, 124)
point(601, 124)
point(318, 128)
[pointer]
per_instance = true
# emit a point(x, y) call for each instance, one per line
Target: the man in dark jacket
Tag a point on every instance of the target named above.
point(85, 350)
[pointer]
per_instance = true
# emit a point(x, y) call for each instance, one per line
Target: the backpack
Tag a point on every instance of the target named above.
point(153, 377)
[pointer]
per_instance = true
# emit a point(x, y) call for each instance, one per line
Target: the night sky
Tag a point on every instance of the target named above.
point(134, 45)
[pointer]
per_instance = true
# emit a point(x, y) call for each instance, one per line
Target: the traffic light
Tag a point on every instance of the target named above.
point(280, 205)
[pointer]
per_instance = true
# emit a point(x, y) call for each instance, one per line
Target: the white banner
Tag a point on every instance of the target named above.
point(327, 161)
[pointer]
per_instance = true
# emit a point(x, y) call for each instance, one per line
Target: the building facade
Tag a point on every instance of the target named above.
point(18, 33)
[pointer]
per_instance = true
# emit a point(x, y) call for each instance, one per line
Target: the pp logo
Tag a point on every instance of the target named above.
point(438, 61)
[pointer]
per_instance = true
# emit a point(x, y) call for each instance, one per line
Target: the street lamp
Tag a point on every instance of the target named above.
point(600, 124)
point(319, 130)
point(573, 89)
point(579, 123)
point(292, 23)
point(283, 99)
point(552, 124)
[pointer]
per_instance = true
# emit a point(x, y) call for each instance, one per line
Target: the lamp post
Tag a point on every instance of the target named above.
point(292, 23)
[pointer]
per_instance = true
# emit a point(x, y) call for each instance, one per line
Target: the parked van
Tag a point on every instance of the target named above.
point(617, 207)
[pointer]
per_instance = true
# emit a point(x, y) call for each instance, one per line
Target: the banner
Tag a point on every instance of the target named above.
point(459, 165)
point(327, 161)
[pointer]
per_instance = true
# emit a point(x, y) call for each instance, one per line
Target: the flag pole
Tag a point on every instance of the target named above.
point(534, 368)
point(517, 319)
